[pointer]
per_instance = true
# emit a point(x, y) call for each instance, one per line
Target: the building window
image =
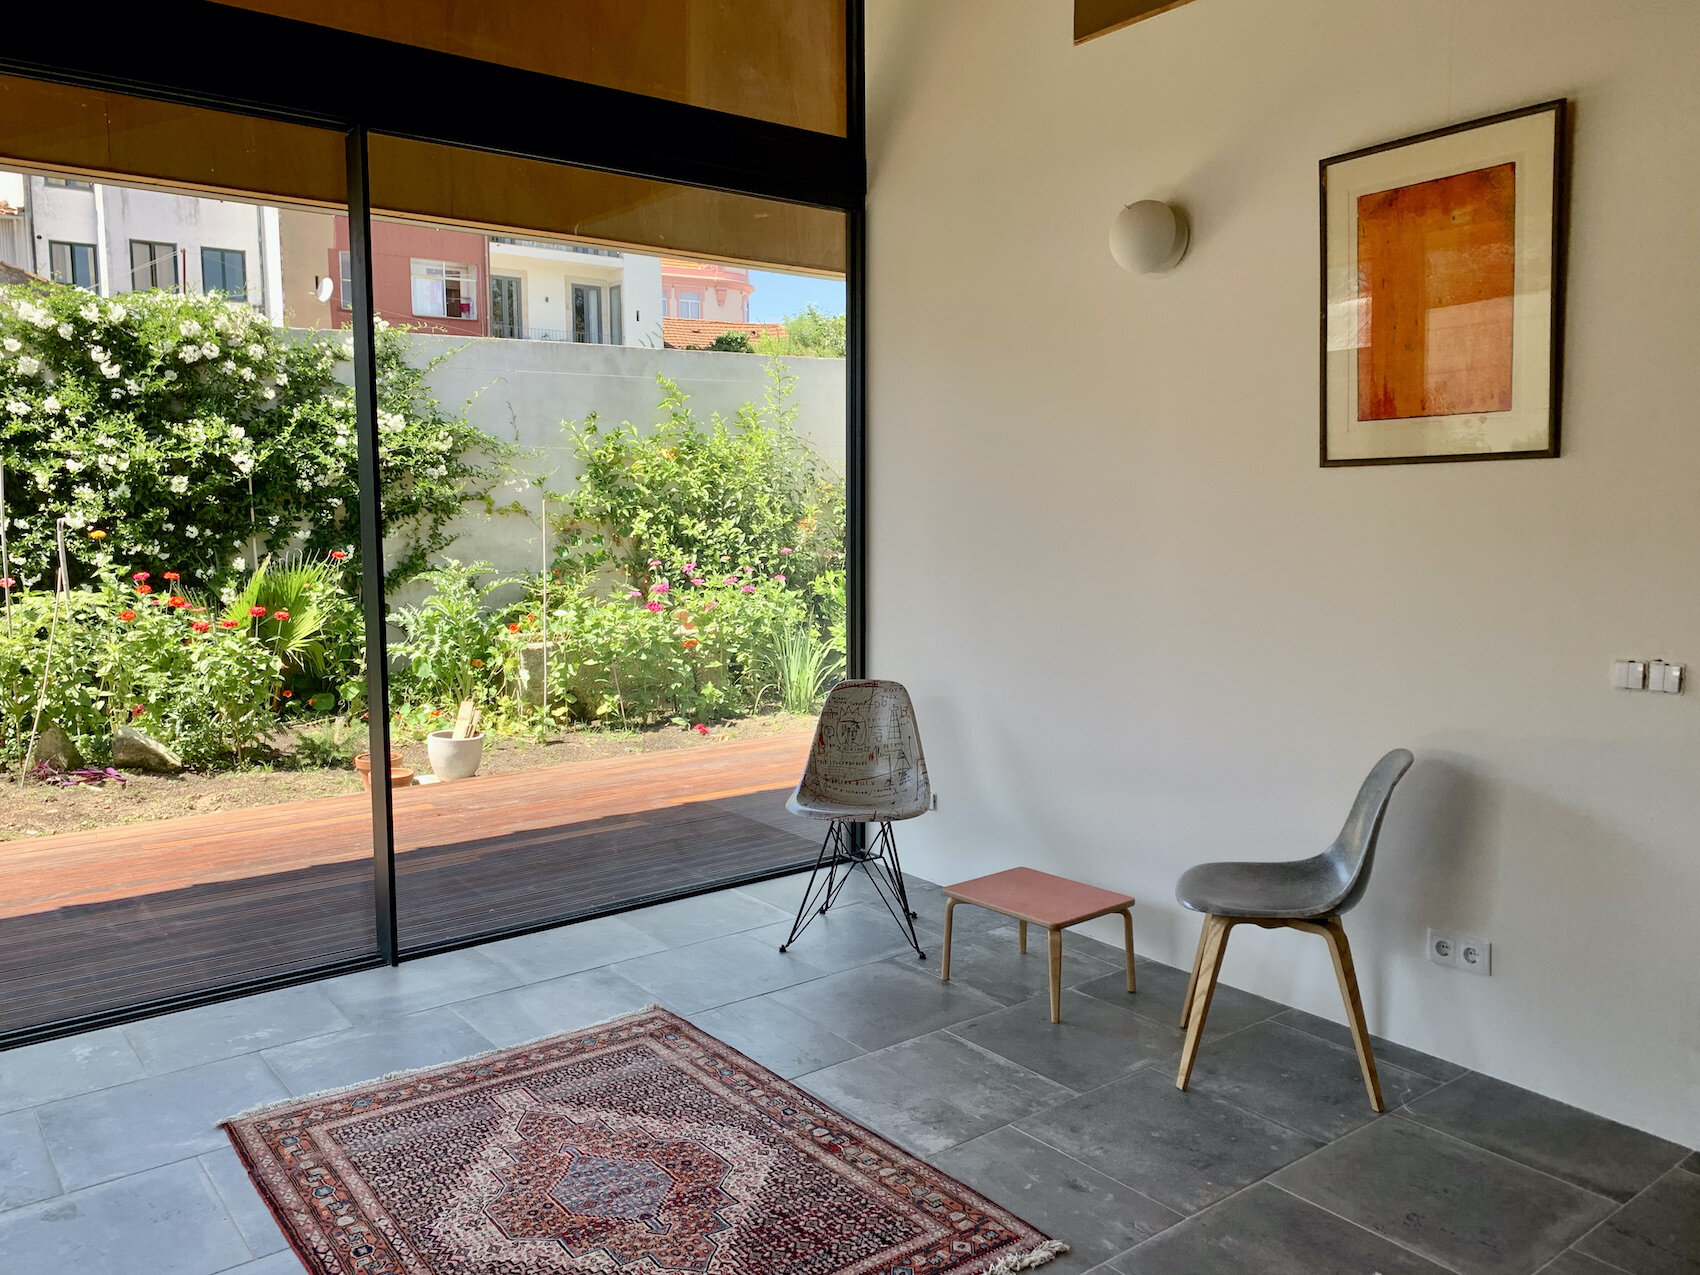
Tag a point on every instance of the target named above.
point(616, 317)
point(690, 305)
point(345, 271)
point(152, 265)
point(67, 183)
point(444, 290)
point(225, 270)
point(587, 313)
point(73, 263)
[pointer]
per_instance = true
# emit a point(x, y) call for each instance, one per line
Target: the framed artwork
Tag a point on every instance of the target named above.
point(1442, 293)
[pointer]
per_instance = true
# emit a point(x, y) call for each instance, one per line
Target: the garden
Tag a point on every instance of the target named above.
point(181, 572)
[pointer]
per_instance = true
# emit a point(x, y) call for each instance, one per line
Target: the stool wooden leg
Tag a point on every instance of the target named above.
point(1216, 928)
point(1056, 975)
point(1021, 935)
point(944, 961)
point(1197, 960)
point(1127, 942)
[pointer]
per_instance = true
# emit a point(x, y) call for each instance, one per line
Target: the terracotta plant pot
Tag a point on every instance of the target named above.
point(453, 758)
point(363, 763)
point(400, 777)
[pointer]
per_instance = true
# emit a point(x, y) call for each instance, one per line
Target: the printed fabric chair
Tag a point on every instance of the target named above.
point(865, 767)
point(1304, 894)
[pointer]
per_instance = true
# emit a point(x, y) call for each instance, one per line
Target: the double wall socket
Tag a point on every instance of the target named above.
point(1460, 951)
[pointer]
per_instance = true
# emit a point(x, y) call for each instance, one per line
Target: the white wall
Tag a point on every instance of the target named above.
point(1145, 629)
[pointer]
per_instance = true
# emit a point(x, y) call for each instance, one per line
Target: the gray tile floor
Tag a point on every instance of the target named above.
point(111, 1160)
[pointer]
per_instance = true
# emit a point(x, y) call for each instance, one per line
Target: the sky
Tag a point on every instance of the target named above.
point(778, 296)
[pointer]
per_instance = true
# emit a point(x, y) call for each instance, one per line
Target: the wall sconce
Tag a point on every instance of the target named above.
point(1149, 237)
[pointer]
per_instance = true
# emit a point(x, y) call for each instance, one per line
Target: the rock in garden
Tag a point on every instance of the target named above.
point(133, 750)
point(55, 748)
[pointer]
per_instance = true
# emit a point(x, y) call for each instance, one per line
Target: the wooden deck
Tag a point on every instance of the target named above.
point(96, 921)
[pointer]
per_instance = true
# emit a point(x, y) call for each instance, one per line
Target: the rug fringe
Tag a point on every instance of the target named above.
point(338, 1091)
point(1039, 1255)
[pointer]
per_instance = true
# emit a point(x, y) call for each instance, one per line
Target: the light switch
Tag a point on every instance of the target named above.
point(1628, 675)
point(1673, 679)
point(1656, 675)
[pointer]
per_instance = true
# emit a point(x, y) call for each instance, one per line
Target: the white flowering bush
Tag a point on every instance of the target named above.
point(184, 432)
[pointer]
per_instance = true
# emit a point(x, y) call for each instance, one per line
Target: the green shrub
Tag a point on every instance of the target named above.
point(810, 334)
point(732, 342)
point(452, 646)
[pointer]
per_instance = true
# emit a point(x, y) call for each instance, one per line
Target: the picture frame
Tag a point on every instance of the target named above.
point(1443, 293)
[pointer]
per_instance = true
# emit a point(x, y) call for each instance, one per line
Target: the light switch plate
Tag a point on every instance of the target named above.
point(1673, 679)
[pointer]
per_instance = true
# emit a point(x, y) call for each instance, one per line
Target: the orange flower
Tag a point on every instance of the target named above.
point(126, 615)
point(478, 664)
point(688, 643)
point(97, 535)
point(144, 588)
point(172, 575)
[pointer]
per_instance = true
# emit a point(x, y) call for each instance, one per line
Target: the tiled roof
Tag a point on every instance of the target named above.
point(696, 334)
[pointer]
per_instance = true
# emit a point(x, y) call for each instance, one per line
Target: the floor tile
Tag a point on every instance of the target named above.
point(878, 1005)
point(390, 991)
point(707, 916)
point(1692, 1164)
point(1385, 1050)
point(850, 934)
point(567, 949)
point(1264, 1230)
point(1298, 1079)
point(1574, 1263)
point(402, 1043)
point(1097, 1217)
point(243, 1026)
point(26, 1170)
point(713, 972)
point(285, 1263)
point(34, 1074)
point(933, 1092)
point(1163, 987)
point(242, 1201)
point(154, 1121)
point(1461, 1206)
point(1185, 1150)
point(1656, 1233)
point(165, 1221)
point(778, 1038)
point(1559, 1139)
point(991, 961)
point(559, 1005)
point(1094, 1044)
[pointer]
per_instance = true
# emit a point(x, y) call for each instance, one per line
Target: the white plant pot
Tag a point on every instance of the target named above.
point(454, 758)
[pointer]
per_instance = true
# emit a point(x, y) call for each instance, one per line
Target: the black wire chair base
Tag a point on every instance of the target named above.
point(838, 859)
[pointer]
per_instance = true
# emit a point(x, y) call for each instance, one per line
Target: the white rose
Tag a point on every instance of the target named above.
point(179, 484)
point(18, 409)
point(118, 313)
point(29, 366)
point(170, 374)
point(66, 331)
point(256, 351)
point(50, 404)
point(189, 328)
point(209, 350)
point(190, 353)
point(12, 344)
point(269, 393)
point(192, 532)
point(90, 312)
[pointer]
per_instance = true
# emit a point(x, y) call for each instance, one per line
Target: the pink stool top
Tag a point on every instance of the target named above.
point(1030, 895)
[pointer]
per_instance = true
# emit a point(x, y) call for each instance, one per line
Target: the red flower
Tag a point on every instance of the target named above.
point(136, 710)
point(259, 613)
point(200, 626)
point(139, 576)
point(6, 582)
point(700, 729)
point(227, 624)
point(513, 628)
point(126, 615)
point(286, 692)
point(688, 643)
point(175, 601)
point(144, 588)
point(172, 575)
point(436, 712)
point(337, 555)
point(280, 615)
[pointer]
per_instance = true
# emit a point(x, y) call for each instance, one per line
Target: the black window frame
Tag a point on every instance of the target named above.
point(69, 275)
point(153, 264)
point(497, 109)
point(223, 257)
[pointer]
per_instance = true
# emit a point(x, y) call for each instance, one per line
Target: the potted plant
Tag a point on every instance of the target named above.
point(400, 776)
point(458, 752)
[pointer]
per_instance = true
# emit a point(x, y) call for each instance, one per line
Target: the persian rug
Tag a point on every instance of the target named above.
point(639, 1144)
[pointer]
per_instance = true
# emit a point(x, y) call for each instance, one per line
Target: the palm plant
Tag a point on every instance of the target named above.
point(297, 596)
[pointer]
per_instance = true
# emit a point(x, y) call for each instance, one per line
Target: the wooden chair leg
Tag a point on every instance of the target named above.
point(1056, 975)
point(1021, 936)
point(1341, 951)
point(1210, 964)
point(1127, 943)
point(944, 960)
point(1197, 960)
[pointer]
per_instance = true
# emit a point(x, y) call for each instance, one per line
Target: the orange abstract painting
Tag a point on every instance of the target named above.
point(1436, 276)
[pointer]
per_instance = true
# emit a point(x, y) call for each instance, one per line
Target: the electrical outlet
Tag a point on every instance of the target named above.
point(1442, 949)
point(1474, 953)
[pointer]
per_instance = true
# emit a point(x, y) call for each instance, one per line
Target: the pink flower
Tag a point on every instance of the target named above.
point(787, 551)
point(700, 729)
point(634, 593)
point(280, 615)
point(748, 588)
point(709, 606)
point(660, 586)
point(779, 577)
point(690, 568)
point(698, 580)
point(139, 576)
point(730, 580)
point(655, 562)
point(654, 606)
point(6, 582)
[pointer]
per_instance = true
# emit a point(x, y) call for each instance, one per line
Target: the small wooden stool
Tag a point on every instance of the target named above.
point(1056, 903)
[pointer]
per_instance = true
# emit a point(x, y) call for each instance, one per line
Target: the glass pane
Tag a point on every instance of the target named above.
point(181, 652)
point(642, 619)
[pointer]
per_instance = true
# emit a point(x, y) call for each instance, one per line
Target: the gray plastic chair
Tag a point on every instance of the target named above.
point(866, 766)
point(1304, 894)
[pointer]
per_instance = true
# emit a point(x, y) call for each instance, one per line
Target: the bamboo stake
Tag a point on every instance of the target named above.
point(61, 587)
point(543, 521)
